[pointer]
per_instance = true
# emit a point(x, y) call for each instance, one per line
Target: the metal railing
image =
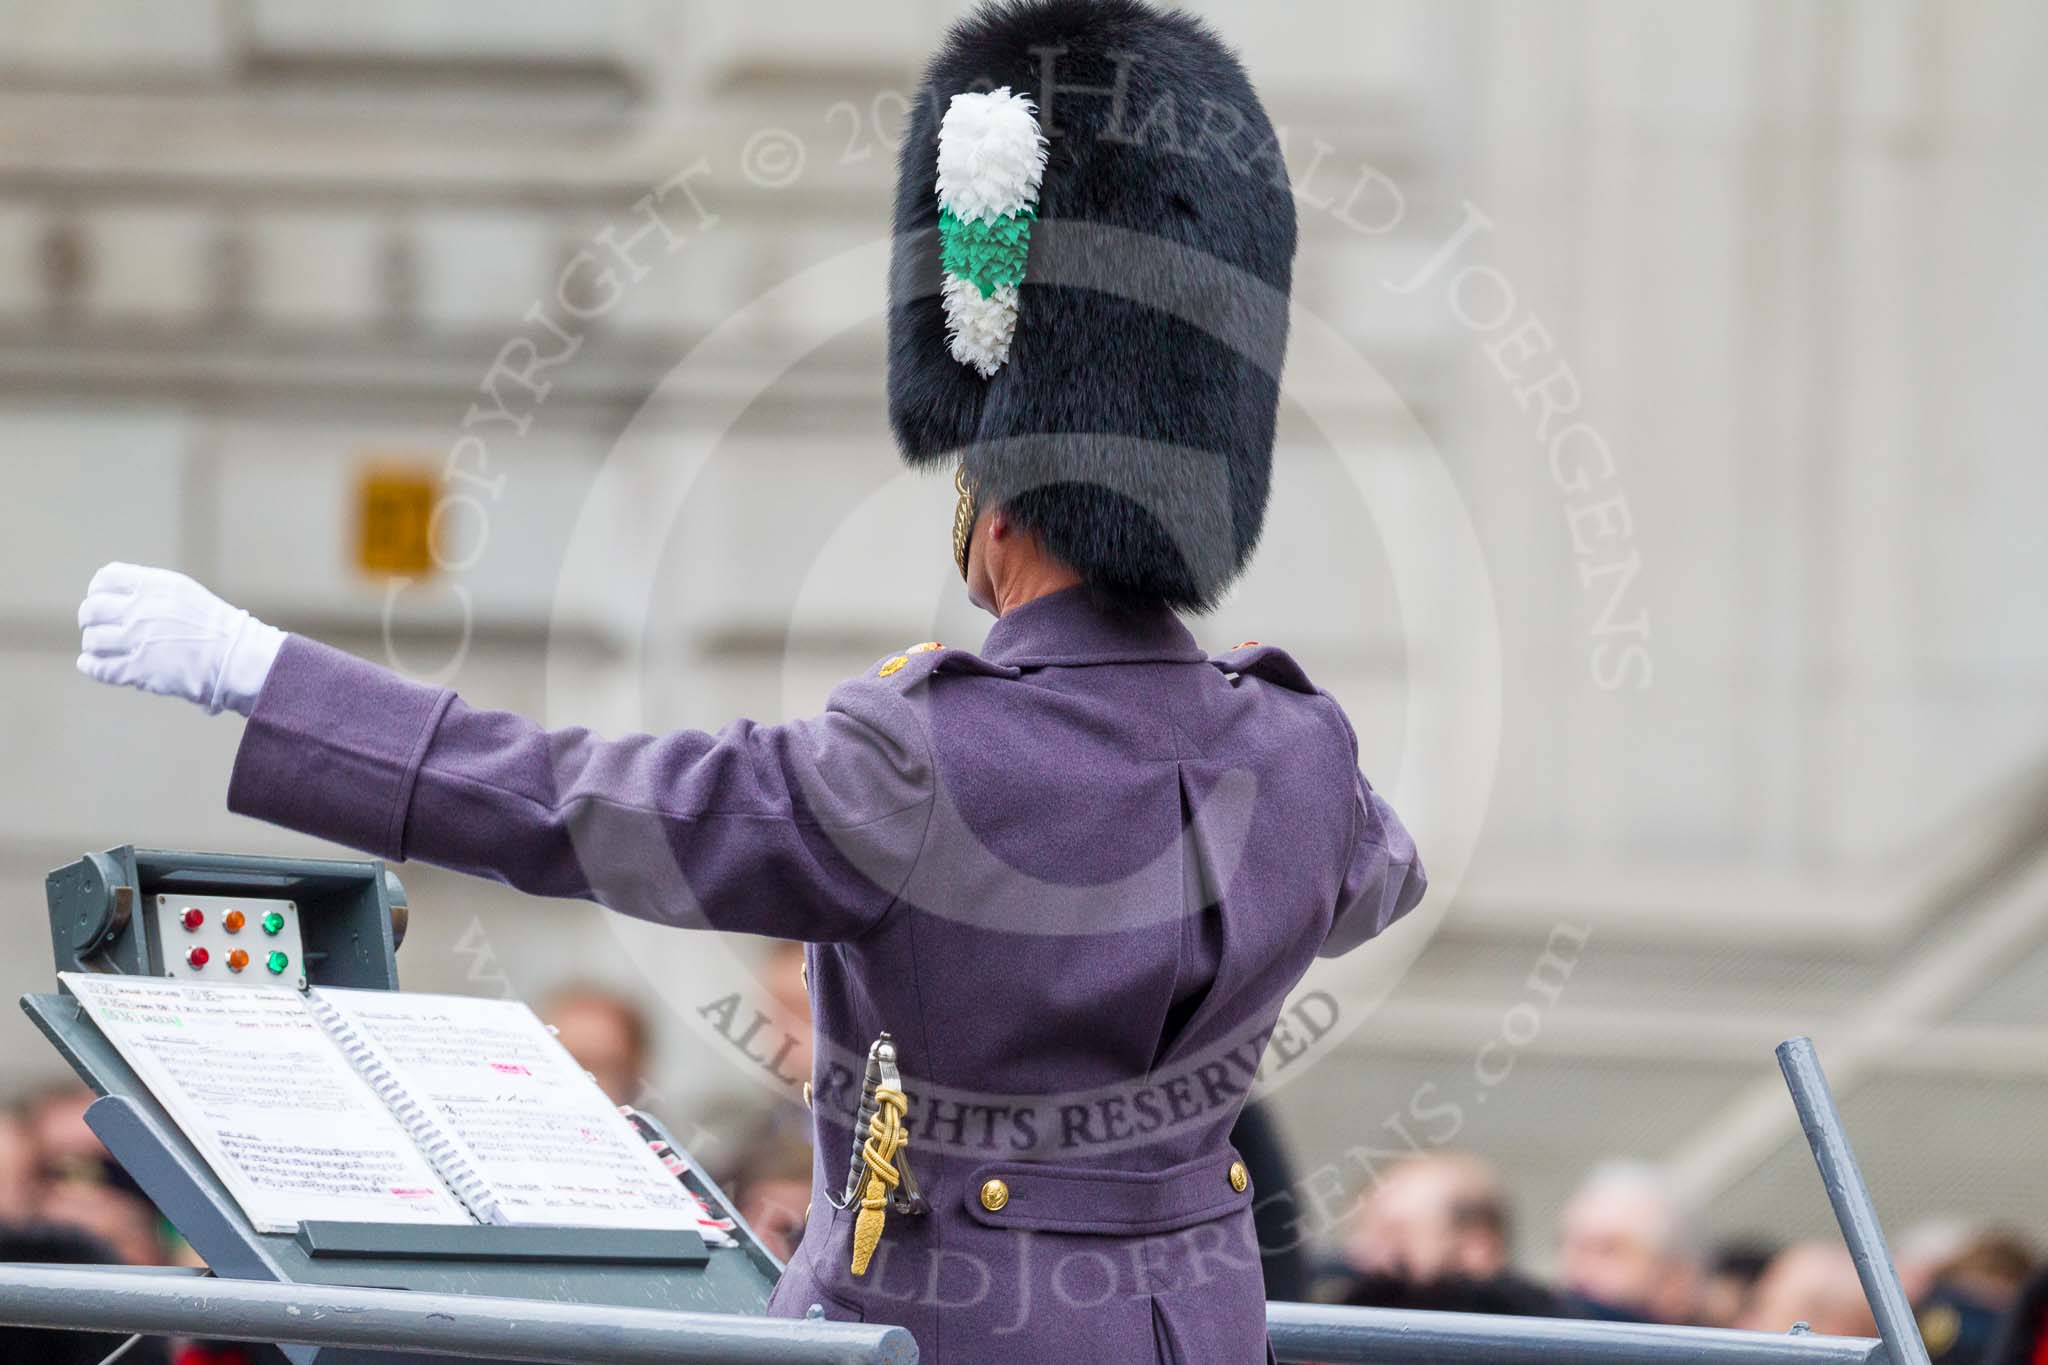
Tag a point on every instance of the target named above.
point(108, 1300)
point(1855, 1214)
point(459, 1325)
point(1387, 1336)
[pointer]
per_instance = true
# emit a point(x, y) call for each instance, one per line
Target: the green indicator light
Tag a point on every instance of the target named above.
point(277, 962)
point(273, 923)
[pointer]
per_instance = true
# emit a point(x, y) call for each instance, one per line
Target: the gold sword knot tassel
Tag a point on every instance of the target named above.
point(886, 1137)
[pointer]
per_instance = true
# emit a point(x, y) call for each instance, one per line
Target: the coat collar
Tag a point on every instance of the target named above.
point(1070, 627)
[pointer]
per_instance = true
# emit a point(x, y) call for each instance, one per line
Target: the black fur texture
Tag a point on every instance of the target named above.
point(1133, 425)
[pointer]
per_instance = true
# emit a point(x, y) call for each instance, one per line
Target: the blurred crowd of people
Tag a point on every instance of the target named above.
point(64, 1201)
point(1432, 1230)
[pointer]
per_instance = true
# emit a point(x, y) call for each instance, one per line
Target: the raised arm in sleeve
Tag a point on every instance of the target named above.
point(1383, 879)
point(804, 830)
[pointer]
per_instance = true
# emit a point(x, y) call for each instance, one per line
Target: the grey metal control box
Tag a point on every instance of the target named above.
point(141, 912)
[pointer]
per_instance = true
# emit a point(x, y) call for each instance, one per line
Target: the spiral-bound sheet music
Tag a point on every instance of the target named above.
point(518, 1130)
point(289, 1127)
point(372, 1106)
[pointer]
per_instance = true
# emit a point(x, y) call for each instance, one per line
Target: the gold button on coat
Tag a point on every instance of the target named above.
point(994, 1194)
point(1239, 1176)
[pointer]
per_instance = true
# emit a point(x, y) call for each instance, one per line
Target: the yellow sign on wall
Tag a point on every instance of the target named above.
point(395, 518)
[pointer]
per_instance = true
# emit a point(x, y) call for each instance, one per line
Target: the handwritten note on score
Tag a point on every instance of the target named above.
point(529, 1138)
point(284, 1120)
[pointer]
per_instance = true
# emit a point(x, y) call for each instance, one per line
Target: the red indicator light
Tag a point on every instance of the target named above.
point(193, 917)
point(196, 958)
point(233, 921)
point(238, 958)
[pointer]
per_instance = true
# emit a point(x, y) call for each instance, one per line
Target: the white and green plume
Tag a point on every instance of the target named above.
point(991, 163)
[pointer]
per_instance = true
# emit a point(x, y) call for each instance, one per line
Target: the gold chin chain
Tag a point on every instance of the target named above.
point(963, 517)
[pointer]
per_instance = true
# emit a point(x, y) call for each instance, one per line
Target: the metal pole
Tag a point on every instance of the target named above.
point(1854, 1212)
point(429, 1324)
point(1386, 1336)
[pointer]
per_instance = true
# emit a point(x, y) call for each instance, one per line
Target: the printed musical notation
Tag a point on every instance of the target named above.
point(286, 1123)
point(372, 1106)
point(523, 1133)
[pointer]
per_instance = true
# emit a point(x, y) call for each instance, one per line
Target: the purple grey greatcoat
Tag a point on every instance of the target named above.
point(1075, 876)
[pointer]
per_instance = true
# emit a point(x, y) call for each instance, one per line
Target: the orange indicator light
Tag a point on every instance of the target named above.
point(238, 958)
point(233, 921)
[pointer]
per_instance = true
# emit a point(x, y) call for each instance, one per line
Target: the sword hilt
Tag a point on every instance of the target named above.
point(884, 1047)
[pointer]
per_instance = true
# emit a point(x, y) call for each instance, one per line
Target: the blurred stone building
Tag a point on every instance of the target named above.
point(1659, 488)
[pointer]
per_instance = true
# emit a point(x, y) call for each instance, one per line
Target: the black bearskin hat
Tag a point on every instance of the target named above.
point(1088, 301)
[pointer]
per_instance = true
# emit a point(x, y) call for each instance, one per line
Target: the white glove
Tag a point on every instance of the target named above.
point(161, 632)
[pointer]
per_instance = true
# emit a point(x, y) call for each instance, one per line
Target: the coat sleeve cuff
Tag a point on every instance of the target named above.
point(333, 748)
